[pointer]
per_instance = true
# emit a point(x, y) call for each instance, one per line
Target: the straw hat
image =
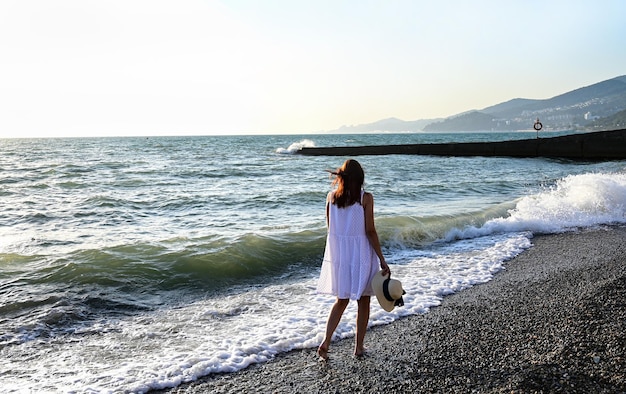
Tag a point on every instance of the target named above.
point(388, 291)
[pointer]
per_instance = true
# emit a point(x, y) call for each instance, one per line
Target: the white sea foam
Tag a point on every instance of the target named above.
point(583, 200)
point(296, 146)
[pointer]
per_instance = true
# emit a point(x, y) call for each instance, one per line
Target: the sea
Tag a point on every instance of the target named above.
point(139, 263)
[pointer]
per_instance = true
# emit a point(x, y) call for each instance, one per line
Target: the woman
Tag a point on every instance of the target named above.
point(352, 252)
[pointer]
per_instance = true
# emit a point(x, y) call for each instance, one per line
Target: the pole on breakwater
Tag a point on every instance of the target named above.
point(537, 126)
point(601, 145)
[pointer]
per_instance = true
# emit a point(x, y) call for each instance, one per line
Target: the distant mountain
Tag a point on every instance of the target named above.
point(571, 110)
point(576, 109)
point(471, 121)
point(389, 125)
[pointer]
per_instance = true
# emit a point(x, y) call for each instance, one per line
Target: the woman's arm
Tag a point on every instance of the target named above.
point(370, 231)
point(327, 208)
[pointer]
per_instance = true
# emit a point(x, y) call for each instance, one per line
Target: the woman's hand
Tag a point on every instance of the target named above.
point(384, 267)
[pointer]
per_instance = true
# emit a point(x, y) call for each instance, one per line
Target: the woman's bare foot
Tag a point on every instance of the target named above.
point(359, 353)
point(322, 352)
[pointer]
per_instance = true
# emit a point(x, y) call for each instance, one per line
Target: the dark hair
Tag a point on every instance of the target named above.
point(349, 180)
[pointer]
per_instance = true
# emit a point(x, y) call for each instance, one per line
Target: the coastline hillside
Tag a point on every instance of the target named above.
point(614, 122)
point(585, 108)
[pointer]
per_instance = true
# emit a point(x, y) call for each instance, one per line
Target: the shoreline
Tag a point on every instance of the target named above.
point(554, 320)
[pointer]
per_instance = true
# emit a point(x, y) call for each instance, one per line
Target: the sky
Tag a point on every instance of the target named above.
point(206, 67)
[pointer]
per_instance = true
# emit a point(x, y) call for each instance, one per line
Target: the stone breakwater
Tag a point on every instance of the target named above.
point(601, 145)
point(553, 321)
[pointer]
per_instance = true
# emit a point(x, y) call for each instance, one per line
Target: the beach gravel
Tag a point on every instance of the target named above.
point(553, 321)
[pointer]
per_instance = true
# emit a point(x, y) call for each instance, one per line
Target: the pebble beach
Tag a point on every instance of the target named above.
point(554, 320)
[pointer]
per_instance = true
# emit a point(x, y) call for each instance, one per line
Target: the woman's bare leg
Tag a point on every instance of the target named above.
point(331, 325)
point(362, 319)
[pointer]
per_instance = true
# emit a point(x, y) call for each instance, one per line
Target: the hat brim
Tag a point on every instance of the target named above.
point(377, 286)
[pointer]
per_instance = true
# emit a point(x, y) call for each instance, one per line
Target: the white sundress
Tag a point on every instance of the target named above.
point(349, 262)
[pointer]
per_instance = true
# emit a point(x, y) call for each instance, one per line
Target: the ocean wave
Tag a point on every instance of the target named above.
point(402, 232)
point(296, 146)
point(202, 264)
point(575, 201)
point(212, 262)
